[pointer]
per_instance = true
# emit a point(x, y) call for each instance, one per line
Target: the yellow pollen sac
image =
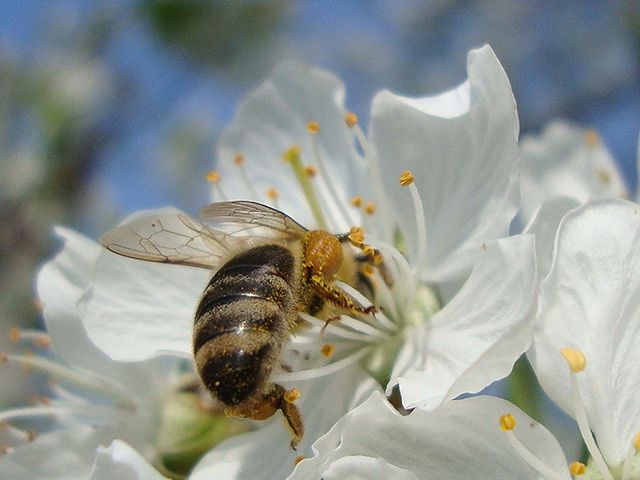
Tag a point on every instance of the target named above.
point(576, 360)
point(368, 250)
point(313, 127)
point(14, 334)
point(577, 468)
point(292, 395)
point(298, 459)
point(3, 357)
point(292, 154)
point(356, 235)
point(272, 193)
point(507, 422)
point(370, 208)
point(368, 270)
point(592, 138)
point(213, 177)
point(604, 176)
point(351, 119)
point(356, 201)
point(406, 178)
point(311, 170)
point(636, 442)
point(327, 349)
point(238, 159)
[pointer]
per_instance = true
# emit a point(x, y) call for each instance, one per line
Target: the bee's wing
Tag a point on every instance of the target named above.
point(248, 218)
point(170, 238)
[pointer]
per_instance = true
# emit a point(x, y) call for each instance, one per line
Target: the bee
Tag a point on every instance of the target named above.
point(267, 268)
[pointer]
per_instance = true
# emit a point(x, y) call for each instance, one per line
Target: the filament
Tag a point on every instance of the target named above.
point(292, 156)
point(531, 459)
point(418, 209)
point(328, 369)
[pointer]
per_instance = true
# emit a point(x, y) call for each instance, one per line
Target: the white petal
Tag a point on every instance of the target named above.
point(135, 310)
point(120, 461)
point(477, 337)
point(459, 441)
point(591, 301)
point(462, 148)
point(60, 285)
point(544, 225)
point(566, 160)
point(274, 118)
point(265, 454)
point(360, 467)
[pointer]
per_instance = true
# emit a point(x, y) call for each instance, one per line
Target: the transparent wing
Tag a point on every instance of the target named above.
point(251, 218)
point(170, 238)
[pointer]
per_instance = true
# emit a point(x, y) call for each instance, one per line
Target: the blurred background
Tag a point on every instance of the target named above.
point(107, 107)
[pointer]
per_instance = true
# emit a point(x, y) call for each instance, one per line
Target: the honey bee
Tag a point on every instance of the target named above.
point(267, 268)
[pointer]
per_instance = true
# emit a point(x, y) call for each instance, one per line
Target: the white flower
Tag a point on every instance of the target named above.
point(461, 148)
point(590, 311)
point(569, 161)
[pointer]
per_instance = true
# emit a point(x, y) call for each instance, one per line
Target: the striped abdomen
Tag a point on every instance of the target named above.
point(241, 322)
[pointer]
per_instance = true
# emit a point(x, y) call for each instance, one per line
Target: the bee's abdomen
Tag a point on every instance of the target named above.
point(241, 322)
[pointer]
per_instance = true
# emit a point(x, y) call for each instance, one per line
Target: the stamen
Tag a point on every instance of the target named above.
point(577, 362)
point(298, 459)
point(631, 453)
point(14, 334)
point(336, 330)
point(407, 180)
point(313, 127)
point(370, 208)
point(351, 119)
point(379, 317)
point(273, 194)
point(577, 468)
point(356, 201)
point(46, 410)
point(328, 349)
point(324, 370)
point(239, 161)
point(213, 177)
point(293, 157)
point(311, 170)
point(592, 138)
point(507, 424)
point(36, 337)
point(292, 395)
point(356, 236)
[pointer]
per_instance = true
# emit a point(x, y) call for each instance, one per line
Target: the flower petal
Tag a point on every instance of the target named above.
point(135, 310)
point(458, 441)
point(120, 461)
point(274, 118)
point(360, 467)
point(590, 301)
point(476, 338)
point(570, 161)
point(265, 453)
point(462, 148)
point(544, 225)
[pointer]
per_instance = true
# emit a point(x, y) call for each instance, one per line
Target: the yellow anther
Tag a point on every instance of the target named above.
point(592, 138)
point(213, 177)
point(14, 334)
point(507, 422)
point(604, 176)
point(406, 178)
point(356, 235)
point(292, 395)
point(292, 154)
point(351, 119)
point(577, 468)
point(576, 360)
point(42, 342)
point(31, 435)
point(310, 170)
point(370, 208)
point(327, 349)
point(4, 449)
point(368, 250)
point(356, 201)
point(313, 127)
point(238, 159)
point(377, 258)
point(636, 442)
point(298, 459)
point(272, 193)
point(3, 357)
point(368, 270)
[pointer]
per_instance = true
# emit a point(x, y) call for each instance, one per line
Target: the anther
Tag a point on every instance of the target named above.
point(351, 119)
point(368, 270)
point(14, 334)
point(368, 250)
point(313, 127)
point(406, 178)
point(356, 201)
point(238, 159)
point(213, 177)
point(292, 395)
point(577, 468)
point(507, 422)
point(327, 350)
point(603, 176)
point(576, 360)
point(636, 442)
point(272, 193)
point(31, 435)
point(370, 208)
point(4, 449)
point(292, 154)
point(356, 236)
point(298, 459)
point(311, 170)
point(3, 357)
point(592, 138)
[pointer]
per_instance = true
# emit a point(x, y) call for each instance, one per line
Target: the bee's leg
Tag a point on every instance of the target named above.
point(337, 296)
point(284, 400)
